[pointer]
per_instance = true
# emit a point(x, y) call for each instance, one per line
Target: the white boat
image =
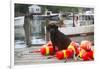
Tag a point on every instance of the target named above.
point(86, 28)
point(77, 30)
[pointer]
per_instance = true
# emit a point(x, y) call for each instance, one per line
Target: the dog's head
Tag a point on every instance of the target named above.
point(52, 27)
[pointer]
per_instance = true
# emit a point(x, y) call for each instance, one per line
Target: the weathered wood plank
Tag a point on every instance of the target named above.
point(26, 56)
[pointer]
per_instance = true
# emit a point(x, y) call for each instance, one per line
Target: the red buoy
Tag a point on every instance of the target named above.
point(85, 56)
point(74, 46)
point(46, 50)
point(91, 54)
point(61, 54)
point(69, 53)
point(64, 54)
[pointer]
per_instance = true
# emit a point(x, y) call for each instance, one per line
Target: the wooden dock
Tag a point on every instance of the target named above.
point(23, 56)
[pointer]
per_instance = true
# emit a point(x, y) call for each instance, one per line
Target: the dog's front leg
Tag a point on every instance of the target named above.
point(52, 36)
point(54, 48)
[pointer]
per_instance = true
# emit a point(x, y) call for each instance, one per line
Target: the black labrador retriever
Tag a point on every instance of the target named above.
point(58, 39)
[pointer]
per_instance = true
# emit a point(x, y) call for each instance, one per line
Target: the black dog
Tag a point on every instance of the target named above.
point(57, 38)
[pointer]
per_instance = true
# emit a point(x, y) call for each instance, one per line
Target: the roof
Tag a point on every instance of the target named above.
point(34, 6)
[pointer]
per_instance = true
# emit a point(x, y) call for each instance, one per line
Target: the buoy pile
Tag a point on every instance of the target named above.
point(83, 51)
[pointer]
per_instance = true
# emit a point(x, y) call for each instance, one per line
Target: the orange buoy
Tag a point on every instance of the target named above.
point(91, 54)
point(64, 54)
point(69, 53)
point(74, 46)
point(86, 55)
point(61, 54)
point(46, 50)
point(86, 45)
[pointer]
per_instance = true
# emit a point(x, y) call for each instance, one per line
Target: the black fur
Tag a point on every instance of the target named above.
point(59, 40)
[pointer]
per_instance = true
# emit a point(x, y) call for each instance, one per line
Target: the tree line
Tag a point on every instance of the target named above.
point(22, 9)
